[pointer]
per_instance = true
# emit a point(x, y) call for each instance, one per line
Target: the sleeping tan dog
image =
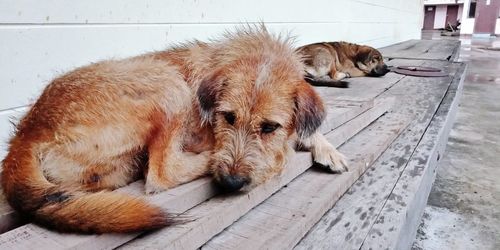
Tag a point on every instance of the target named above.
point(327, 63)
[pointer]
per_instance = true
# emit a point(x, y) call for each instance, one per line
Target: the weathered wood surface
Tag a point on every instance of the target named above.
point(283, 219)
point(405, 205)
point(360, 207)
point(177, 200)
point(218, 213)
point(361, 89)
point(446, 50)
point(340, 112)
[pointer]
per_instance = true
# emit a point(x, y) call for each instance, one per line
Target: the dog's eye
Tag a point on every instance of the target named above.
point(269, 127)
point(230, 117)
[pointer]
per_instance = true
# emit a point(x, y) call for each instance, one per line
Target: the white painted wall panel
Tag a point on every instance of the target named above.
point(7, 118)
point(467, 26)
point(42, 39)
point(434, 2)
point(460, 11)
point(202, 11)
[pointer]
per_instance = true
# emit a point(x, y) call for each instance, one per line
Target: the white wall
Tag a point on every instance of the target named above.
point(467, 26)
point(440, 17)
point(460, 11)
point(435, 2)
point(41, 39)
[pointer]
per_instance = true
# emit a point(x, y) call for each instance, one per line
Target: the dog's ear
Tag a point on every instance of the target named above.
point(364, 56)
point(208, 93)
point(310, 111)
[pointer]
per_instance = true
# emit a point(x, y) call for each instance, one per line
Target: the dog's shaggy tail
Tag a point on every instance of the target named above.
point(326, 82)
point(63, 209)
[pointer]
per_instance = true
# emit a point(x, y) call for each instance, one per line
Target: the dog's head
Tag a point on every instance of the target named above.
point(256, 101)
point(370, 61)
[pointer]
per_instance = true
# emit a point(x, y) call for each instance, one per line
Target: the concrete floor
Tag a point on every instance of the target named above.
point(463, 210)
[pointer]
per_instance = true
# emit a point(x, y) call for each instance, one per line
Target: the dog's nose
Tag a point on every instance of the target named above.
point(385, 68)
point(232, 182)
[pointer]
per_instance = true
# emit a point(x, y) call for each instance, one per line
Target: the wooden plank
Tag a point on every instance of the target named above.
point(340, 112)
point(446, 50)
point(214, 215)
point(360, 88)
point(176, 200)
point(417, 98)
point(283, 219)
point(404, 208)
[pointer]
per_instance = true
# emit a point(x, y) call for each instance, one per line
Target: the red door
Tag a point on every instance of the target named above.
point(429, 14)
point(486, 16)
point(451, 15)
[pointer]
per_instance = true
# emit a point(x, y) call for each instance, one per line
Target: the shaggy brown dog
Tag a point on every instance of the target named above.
point(328, 63)
point(229, 107)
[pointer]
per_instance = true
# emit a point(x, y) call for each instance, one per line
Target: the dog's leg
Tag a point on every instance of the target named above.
point(169, 165)
point(324, 154)
point(337, 76)
point(355, 72)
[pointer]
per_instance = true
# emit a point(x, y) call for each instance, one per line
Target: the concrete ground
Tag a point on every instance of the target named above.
point(463, 209)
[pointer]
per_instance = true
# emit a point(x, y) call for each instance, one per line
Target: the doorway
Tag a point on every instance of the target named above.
point(451, 15)
point(429, 14)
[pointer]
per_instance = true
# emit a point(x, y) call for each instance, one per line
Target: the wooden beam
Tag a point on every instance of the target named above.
point(445, 50)
point(418, 98)
point(361, 89)
point(176, 200)
point(283, 219)
point(404, 207)
point(216, 214)
point(340, 112)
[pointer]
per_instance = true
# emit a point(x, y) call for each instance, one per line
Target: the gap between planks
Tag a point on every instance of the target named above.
point(176, 200)
point(283, 219)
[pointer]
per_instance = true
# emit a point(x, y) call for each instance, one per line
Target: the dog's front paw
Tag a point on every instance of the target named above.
point(154, 188)
point(331, 159)
point(341, 75)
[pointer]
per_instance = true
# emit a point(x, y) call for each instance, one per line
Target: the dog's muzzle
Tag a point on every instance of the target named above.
point(232, 183)
point(380, 70)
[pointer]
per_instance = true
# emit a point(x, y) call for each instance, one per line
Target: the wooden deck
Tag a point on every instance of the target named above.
point(393, 130)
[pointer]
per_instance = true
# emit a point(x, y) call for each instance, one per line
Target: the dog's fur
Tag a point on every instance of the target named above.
point(328, 63)
point(230, 107)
